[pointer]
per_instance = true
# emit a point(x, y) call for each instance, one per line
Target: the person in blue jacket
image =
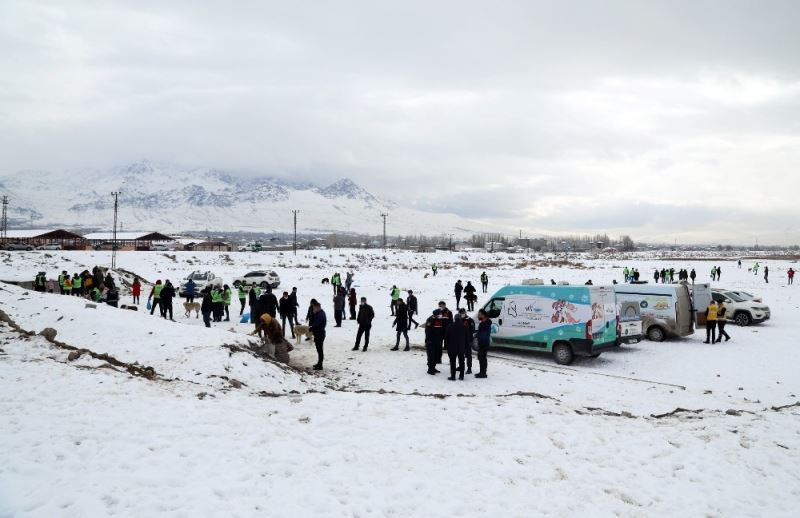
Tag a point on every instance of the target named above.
point(190, 290)
point(484, 335)
point(317, 328)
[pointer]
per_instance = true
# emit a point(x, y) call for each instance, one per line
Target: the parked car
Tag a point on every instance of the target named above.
point(251, 247)
point(262, 278)
point(201, 280)
point(741, 310)
point(106, 245)
point(18, 246)
point(50, 246)
point(160, 247)
point(746, 296)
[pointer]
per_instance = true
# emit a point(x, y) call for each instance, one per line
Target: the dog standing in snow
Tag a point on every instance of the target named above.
point(300, 330)
point(192, 306)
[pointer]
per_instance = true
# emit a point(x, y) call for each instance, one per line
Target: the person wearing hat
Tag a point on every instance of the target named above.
point(434, 334)
point(271, 328)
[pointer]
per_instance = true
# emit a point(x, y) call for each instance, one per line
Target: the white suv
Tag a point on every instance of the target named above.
point(262, 278)
point(741, 310)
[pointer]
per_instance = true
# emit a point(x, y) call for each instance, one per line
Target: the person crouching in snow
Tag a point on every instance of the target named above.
point(273, 336)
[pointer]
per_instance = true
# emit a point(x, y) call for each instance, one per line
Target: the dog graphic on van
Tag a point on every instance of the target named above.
point(563, 312)
point(597, 311)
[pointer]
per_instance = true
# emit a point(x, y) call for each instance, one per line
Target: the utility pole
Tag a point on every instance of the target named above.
point(294, 246)
point(114, 234)
point(4, 221)
point(450, 245)
point(383, 215)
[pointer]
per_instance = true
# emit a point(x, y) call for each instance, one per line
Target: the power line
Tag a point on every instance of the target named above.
point(294, 244)
point(383, 215)
point(114, 234)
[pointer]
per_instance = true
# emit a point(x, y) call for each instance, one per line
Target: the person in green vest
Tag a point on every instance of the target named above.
point(67, 285)
point(61, 278)
point(77, 285)
point(96, 294)
point(226, 301)
point(395, 298)
point(336, 281)
point(39, 282)
point(485, 282)
point(435, 269)
point(155, 294)
point(242, 292)
point(216, 303)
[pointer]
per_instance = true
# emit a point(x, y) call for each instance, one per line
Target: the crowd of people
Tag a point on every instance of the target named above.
point(97, 285)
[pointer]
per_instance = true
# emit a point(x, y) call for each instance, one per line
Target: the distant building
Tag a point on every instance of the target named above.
point(212, 246)
point(64, 238)
point(127, 240)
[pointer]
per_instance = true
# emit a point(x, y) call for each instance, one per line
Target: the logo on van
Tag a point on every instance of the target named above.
point(643, 304)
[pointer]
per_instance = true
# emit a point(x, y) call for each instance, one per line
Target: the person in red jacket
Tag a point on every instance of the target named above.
point(352, 301)
point(136, 290)
point(790, 273)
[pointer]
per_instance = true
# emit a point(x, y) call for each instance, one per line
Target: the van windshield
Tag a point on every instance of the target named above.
point(198, 276)
point(494, 307)
point(734, 297)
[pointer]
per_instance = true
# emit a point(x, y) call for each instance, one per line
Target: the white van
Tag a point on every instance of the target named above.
point(566, 321)
point(666, 309)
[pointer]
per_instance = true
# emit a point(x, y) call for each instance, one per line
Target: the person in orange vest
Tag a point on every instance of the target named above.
point(711, 322)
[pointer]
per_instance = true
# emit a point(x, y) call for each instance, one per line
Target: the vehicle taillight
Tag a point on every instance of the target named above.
point(589, 330)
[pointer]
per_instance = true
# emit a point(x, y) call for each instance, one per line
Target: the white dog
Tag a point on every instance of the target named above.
point(192, 306)
point(300, 331)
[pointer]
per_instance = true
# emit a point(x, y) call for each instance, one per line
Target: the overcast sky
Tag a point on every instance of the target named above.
point(666, 120)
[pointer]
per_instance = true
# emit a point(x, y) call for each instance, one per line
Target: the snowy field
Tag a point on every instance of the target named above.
point(678, 428)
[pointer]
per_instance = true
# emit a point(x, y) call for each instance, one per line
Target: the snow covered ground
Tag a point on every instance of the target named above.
point(674, 428)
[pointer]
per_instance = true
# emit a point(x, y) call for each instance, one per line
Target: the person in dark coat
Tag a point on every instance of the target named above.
point(295, 305)
point(434, 334)
point(401, 324)
point(258, 309)
point(693, 275)
point(252, 300)
point(469, 324)
point(364, 320)
point(206, 307)
point(338, 307)
point(352, 301)
point(458, 289)
point(722, 316)
point(455, 339)
point(285, 308)
point(167, 294)
point(318, 329)
point(447, 318)
point(271, 304)
point(484, 336)
point(413, 309)
point(190, 289)
point(310, 314)
point(469, 294)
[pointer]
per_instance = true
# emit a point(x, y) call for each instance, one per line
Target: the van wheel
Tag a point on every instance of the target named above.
point(655, 334)
point(743, 318)
point(563, 353)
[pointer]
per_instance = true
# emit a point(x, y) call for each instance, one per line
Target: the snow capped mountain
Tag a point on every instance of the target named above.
point(170, 198)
